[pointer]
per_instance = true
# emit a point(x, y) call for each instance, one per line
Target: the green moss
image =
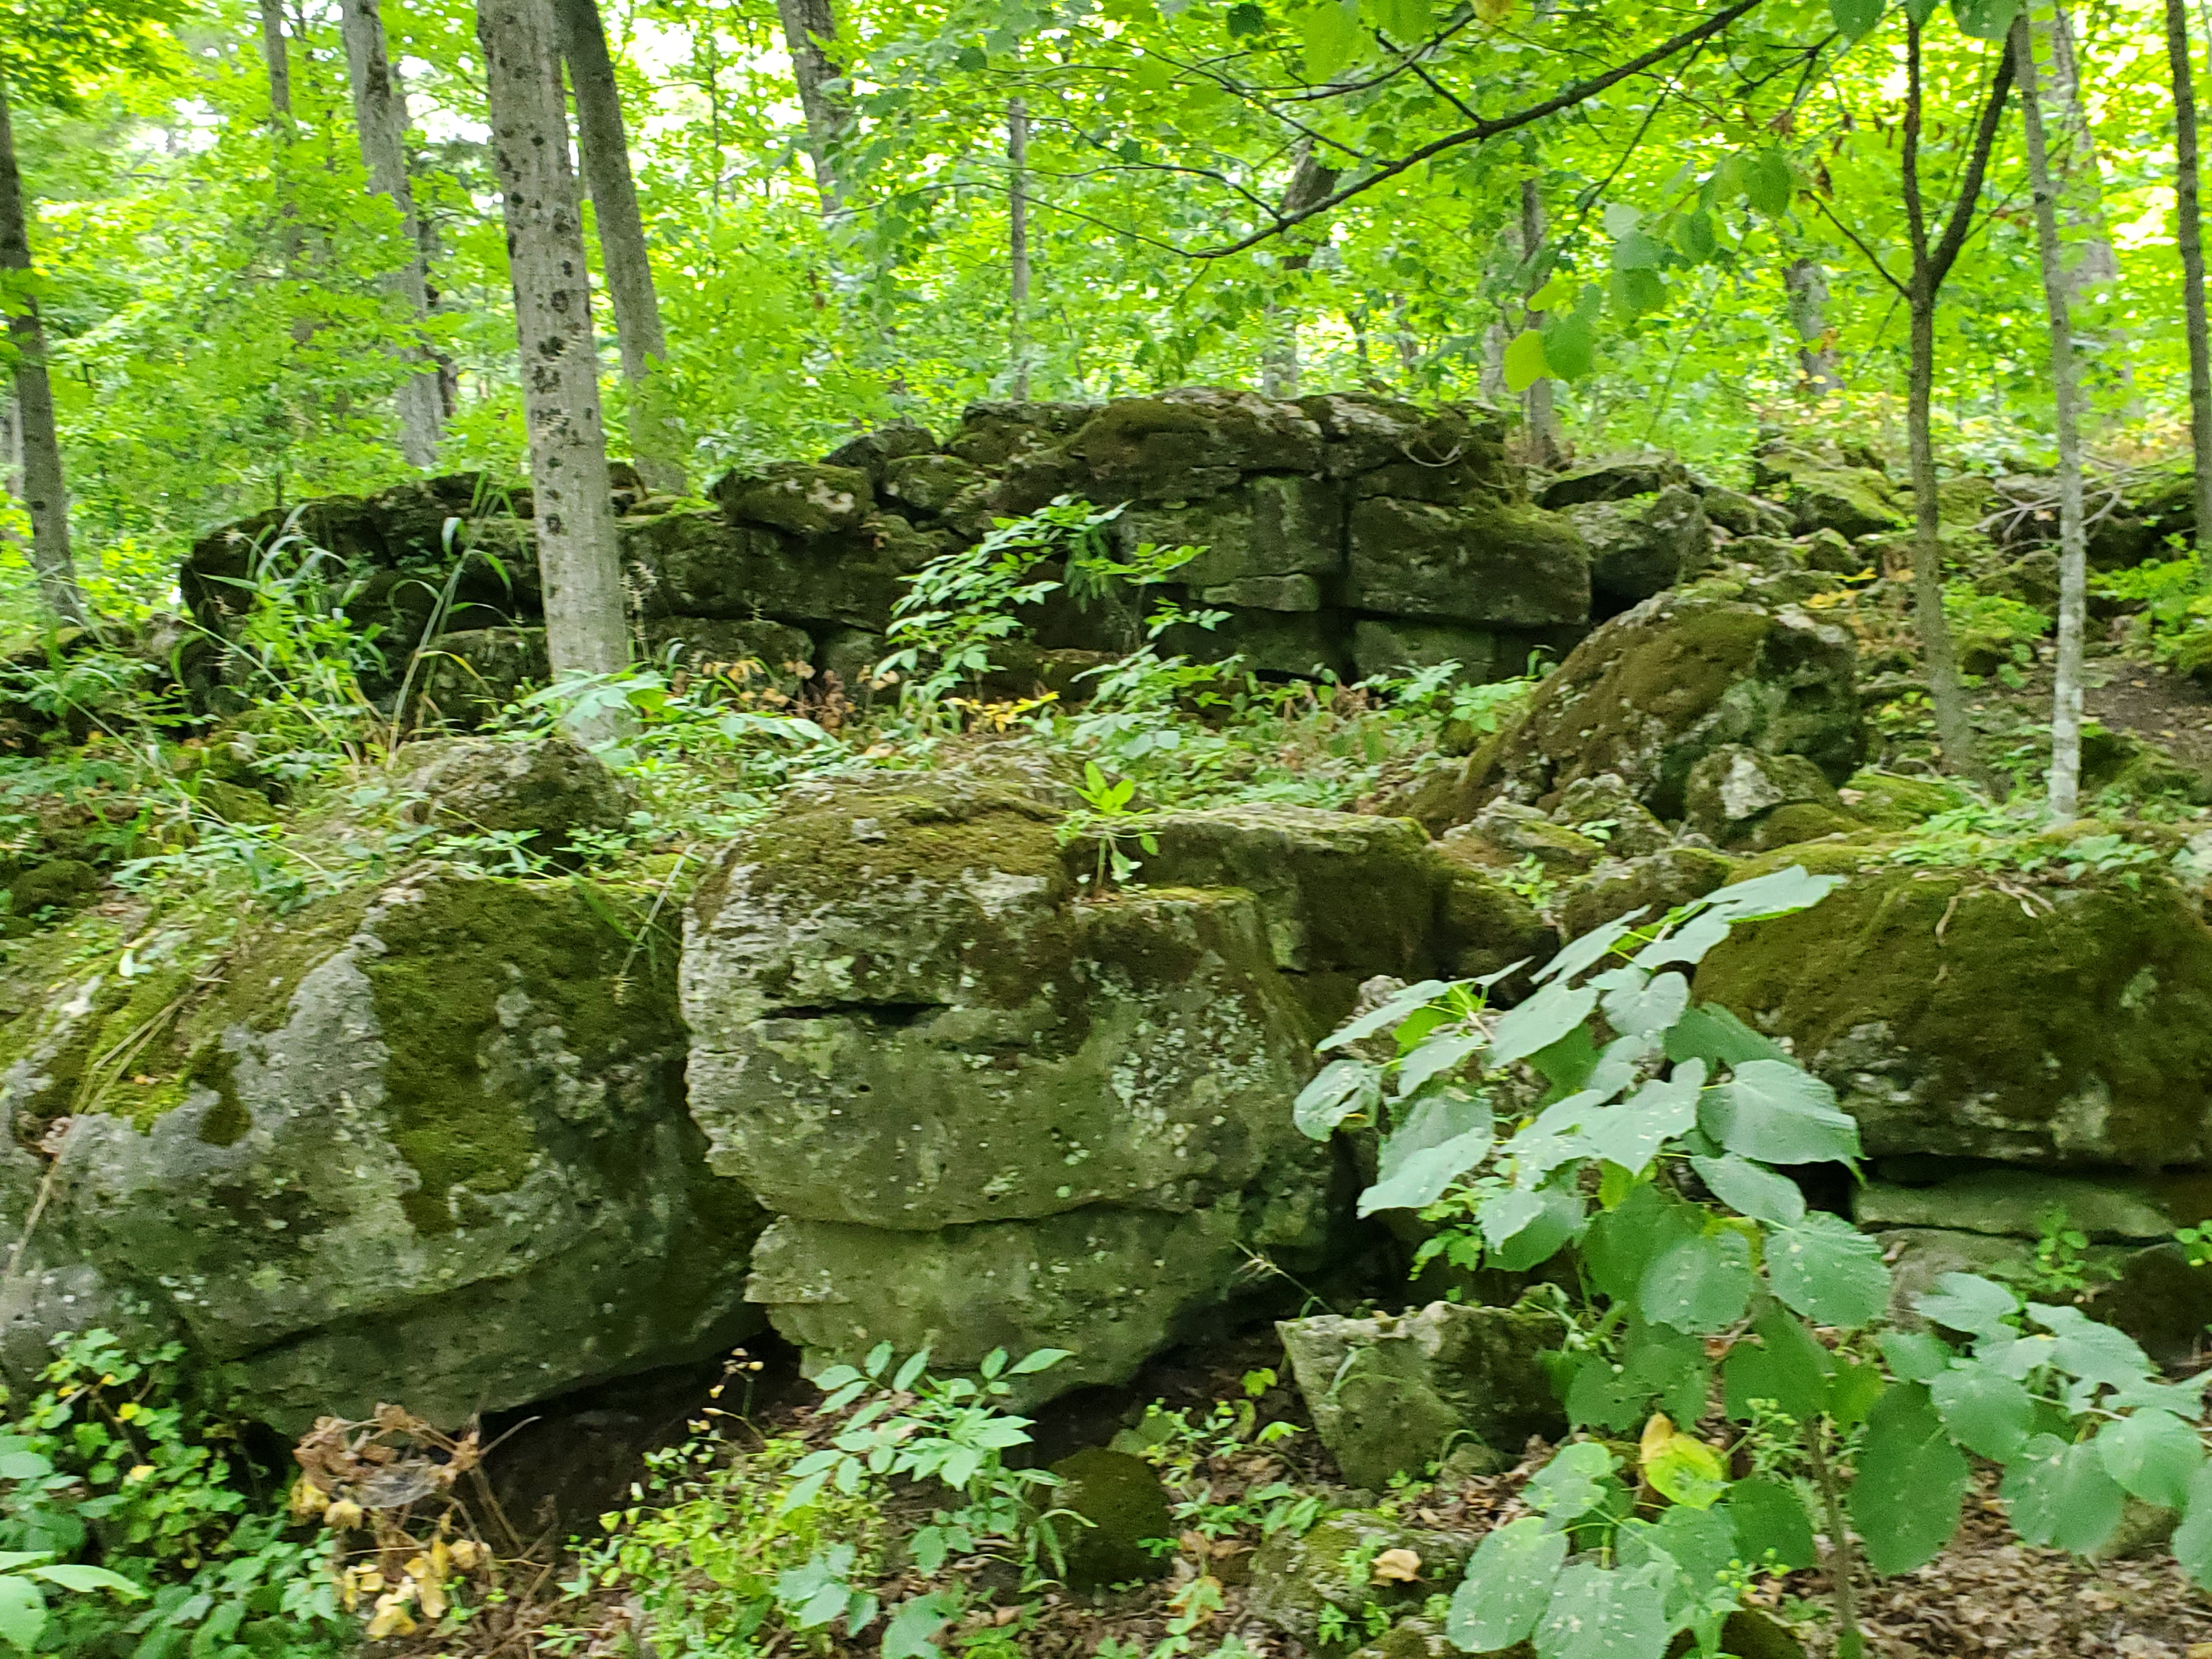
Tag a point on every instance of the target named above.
point(1121, 1499)
point(1886, 801)
point(1801, 821)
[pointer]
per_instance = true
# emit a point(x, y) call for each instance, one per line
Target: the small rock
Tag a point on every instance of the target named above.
point(545, 788)
point(1629, 829)
point(1655, 884)
point(1121, 1498)
point(1331, 1565)
point(1504, 833)
point(1733, 789)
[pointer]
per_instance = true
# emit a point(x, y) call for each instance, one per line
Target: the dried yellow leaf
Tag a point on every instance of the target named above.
point(391, 1618)
point(1397, 1567)
point(342, 1516)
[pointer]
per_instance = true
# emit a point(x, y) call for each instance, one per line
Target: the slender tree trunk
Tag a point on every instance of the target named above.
point(1018, 248)
point(1539, 411)
point(810, 32)
point(273, 58)
point(1806, 285)
point(2081, 177)
point(380, 114)
point(602, 137)
point(2065, 784)
point(2189, 232)
point(1311, 180)
point(585, 628)
point(45, 497)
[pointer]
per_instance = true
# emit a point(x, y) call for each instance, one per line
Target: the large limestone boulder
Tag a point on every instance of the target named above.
point(425, 1144)
point(1276, 527)
point(1481, 561)
point(988, 1109)
point(1656, 689)
point(1644, 544)
point(2068, 1024)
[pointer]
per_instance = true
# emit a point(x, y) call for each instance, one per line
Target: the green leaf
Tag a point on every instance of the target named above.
point(1445, 1136)
point(1921, 10)
point(1984, 20)
point(1342, 1089)
point(2085, 1349)
point(1783, 1365)
point(1967, 1302)
point(1700, 1285)
point(1690, 942)
point(84, 1580)
point(2060, 1495)
point(1624, 1241)
point(1646, 1003)
point(1827, 1270)
point(1591, 949)
point(2153, 1454)
point(1852, 1391)
point(1385, 1014)
point(1750, 1189)
point(1694, 238)
point(1915, 1356)
point(1911, 1482)
point(1769, 1516)
point(1507, 1587)
point(2192, 1539)
point(1434, 1056)
point(1540, 1022)
point(1407, 21)
point(1778, 893)
point(1525, 361)
point(1041, 1359)
point(1711, 1033)
point(1597, 1613)
point(1636, 251)
point(1637, 291)
point(1683, 1469)
point(1558, 1218)
point(1332, 36)
point(1631, 1133)
point(1855, 17)
point(22, 1613)
point(913, 1626)
point(1572, 1484)
point(24, 1465)
point(1768, 183)
point(1568, 346)
point(1771, 1111)
point(1986, 1412)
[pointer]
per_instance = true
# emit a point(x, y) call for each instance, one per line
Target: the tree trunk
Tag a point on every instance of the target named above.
point(585, 628)
point(2189, 233)
point(1806, 285)
point(1018, 248)
point(43, 496)
point(1311, 180)
point(1539, 413)
point(2081, 177)
point(604, 141)
point(279, 66)
point(380, 114)
point(809, 31)
point(2065, 783)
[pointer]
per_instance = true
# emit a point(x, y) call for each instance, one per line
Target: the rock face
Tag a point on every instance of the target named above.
point(988, 1111)
point(1656, 689)
point(1391, 1396)
point(1952, 1017)
point(425, 1145)
point(1319, 519)
point(544, 789)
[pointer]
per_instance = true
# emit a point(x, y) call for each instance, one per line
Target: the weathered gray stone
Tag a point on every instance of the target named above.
point(468, 676)
point(1120, 1504)
point(1270, 526)
point(1395, 648)
point(1486, 561)
point(1606, 811)
point(1331, 1565)
point(876, 451)
point(1614, 479)
point(2018, 1204)
point(1745, 515)
point(425, 1145)
point(780, 651)
point(806, 500)
point(1639, 546)
point(1391, 1396)
point(1735, 795)
point(929, 485)
point(544, 789)
point(1266, 593)
point(1305, 644)
point(1505, 833)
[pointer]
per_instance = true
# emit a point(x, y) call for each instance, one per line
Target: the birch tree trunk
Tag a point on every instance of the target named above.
point(1018, 248)
point(585, 628)
point(1539, 410)
point(2066, 779)
point(605, 141)
point(2080, 176)
point(1806, 285)
point(2189, 229)
point(380, 115)
point(45, 497)
point(1311, 180)
point(810, 32)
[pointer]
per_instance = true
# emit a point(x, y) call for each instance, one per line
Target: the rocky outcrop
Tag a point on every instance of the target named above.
point(426, 1143)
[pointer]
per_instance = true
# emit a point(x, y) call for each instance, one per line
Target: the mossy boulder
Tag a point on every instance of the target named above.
point(1394, 448)
point(1616, 478)
point(807, 500)
point(697, 562)
point(2072, 1026)
point(1655, 882)
point(875, 451)
point(1120, 1504)
point(1274, 525)
point(1186, 444)
point(542, 789)
point(1479, 561)
point(1389, 647)
point(2109, 1207)
point(1393, 1394)
point(753, 656)
point(467, 676)
point(425, 1144)
point(50, 888)
point(1652, 692)
point(1605, 810)
point(1888, 800)
point(1641, 545)
point(932, 1055)
point(1739, 797)
point(1296, 1574)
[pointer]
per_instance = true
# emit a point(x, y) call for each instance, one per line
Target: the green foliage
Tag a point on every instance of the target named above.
point(122, 1489)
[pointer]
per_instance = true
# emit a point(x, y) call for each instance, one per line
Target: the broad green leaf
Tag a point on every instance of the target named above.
point(1688, 943)
point(1776, 1113)
point(1827, 1270)
point(1332, 35)
point(1778, 1362)
point(1711, 1033)
point(1671, 1365)
point(1650, 1003)
point(1768, 183)
point(1569, 347)
point(1701, 1542)
point(1569, 1064)
point(1680, 1468)
point(1558, 1218)
point(1779, 893)
point(1624, 1241)
point(1407, 21)
point(1636, 251)
point(2153, 1454)
point(1434, 1057)
point(1852, 1391)
point(2085, 1349)
point(1385, 1014)
point(1911, 1482)
point(24, 1465)
point(1592, 947)
point(1855, 17)
point(2192, 1539)
point(1694, 238)
point(1915, 1356)
point(1342, 1089)
point(1636, 291)
point(1750, 1189)
point(912, 1631)
point(1921, 10)
point(1631, 1133)
point(1572, 1484)
point(1445, 1136)
point(1986, 1412)
point(1507, 1587)
point(72, 1575)
point(1596, 1613)
point(22, 1613)
point(1969, 1302)
point(1700, 1285)
point(1524, 361)
point(2060, 1494)
point(1770, 1517)
point(1984, 20)
point(1542, 1020)
point(1042, 1360)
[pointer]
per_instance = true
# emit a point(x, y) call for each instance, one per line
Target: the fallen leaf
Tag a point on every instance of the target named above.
point(1397, 1567)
